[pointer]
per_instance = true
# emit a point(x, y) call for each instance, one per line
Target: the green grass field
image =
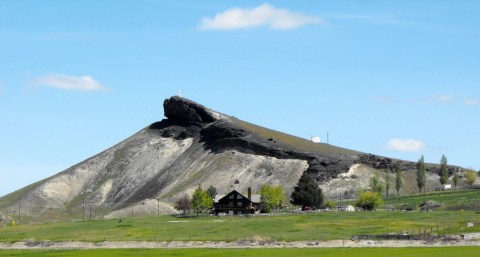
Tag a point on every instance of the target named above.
point(358, 252)
point(451, 200)
point(317, 226)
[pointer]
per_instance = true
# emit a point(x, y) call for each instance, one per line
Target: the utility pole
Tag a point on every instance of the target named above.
point(90, 206)
point(158, 207)
point(327, 139)
point(83, 210)
point(19, 208)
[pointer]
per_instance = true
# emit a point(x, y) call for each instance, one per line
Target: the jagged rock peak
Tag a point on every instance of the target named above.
point(187, 112)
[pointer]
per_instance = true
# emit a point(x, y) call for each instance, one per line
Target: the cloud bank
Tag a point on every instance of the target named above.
point(264, 15)
point(405, 145)
point(64, 82)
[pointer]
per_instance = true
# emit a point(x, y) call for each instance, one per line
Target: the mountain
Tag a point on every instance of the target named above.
point(194, 145)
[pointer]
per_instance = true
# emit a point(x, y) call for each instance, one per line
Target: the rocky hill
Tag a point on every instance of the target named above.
point(146, 173)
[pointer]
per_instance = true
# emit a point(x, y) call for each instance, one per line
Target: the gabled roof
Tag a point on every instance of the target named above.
point(255, 198)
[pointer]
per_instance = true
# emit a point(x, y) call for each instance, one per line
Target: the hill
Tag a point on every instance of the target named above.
point(194, 145)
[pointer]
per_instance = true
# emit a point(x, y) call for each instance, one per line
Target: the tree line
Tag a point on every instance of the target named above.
point(374, 197)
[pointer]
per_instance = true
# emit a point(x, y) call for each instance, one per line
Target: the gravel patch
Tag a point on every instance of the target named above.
point(236, 244)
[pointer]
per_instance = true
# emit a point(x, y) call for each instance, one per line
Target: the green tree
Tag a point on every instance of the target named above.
point(376, 185)
point(443, 170)
point(201, 201)
point(388, 182)
point(369, 200)
point(307, 193)
point(421, 174)
point(271, 197)
point(470, 177)
point(330, 204)
point(398, 178)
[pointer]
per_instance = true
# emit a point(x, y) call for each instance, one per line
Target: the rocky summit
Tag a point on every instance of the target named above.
point(194, 145)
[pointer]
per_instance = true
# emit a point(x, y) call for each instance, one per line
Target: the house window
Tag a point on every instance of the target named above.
point(239, 204)
point(239, 196)
point(231, 196)
point(230, 204)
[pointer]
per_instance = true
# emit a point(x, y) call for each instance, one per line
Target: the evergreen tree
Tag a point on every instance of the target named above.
point(398, 178)
point(421, 174)
point(443, 170)
point(307, 193)
point(212, 192)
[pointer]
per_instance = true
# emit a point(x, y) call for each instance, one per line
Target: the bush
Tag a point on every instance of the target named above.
point(369, 200)
point(330, 204)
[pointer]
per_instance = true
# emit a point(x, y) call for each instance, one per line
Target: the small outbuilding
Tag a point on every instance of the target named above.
point(235, 203)
point(345, 208)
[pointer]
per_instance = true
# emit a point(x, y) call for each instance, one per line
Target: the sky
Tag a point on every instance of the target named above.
point(393, 78)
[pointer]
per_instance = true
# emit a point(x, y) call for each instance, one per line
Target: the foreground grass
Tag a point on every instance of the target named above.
point(370, 252)
point(317, 226)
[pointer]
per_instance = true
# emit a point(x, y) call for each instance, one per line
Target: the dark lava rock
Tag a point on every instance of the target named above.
point(186, 112)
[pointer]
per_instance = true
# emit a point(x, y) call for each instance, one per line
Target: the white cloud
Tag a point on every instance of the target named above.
point(441, 99)
point(405, 145)
point(263, 15)
point(472, 101)
point(64, 82)
point(382, 99)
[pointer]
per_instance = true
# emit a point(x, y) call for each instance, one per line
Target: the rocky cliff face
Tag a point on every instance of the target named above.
point(193, 146)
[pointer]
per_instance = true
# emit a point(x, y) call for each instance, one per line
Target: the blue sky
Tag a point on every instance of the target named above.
point(394, 78)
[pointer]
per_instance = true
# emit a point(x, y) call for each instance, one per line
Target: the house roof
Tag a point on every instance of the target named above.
point(254, 198)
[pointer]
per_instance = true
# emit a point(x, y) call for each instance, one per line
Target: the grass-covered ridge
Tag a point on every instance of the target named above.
point(292, 141)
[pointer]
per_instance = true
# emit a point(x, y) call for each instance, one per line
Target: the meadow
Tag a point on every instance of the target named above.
point(288, 227)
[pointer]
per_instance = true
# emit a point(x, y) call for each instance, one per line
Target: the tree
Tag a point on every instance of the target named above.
point(212, 192)
point(470, 177)
point(443, 170)
point(398, 178)
point(455, 180)
point(271, 197)
point(330, 204)
point(388, 182)
point(307, 193)
point(201, 201)
point(369, 200)
point(376, 185)
point(184, 204)
point(421, 174)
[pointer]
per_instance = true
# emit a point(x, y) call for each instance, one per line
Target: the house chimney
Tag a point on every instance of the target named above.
point(250, 193)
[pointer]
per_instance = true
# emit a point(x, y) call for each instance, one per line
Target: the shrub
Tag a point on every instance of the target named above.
point(369, 200)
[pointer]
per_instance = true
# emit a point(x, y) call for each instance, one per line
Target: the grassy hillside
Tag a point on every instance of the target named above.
point(293, 141)
point(449, 200)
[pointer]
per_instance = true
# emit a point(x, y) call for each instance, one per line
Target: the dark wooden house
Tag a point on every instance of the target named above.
point(235, 203)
